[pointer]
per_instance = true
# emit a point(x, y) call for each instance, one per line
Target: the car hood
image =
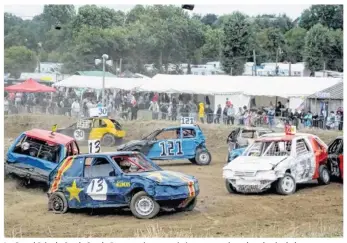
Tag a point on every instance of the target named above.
point(253, 163)
point(130, 144)
point(168, 178)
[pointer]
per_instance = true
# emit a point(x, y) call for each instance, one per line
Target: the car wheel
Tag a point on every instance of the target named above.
point(57, 203)
point(202, 157)
point(189, 207)
point(108, 140)
point(192, 160)
point(286, 185)
point(324, 175)
point(143, 206)
point(230, 187)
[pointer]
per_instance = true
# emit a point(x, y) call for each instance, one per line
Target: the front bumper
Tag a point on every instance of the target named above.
point(247, 182)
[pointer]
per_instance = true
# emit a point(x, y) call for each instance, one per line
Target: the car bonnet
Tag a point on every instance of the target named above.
point(169, 178)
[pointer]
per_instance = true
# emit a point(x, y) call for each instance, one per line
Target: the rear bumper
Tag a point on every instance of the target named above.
point(25, 173)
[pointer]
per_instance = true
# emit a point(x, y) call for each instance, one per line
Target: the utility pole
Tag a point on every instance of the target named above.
point(120, 66)
point(255, 64)
point(290, 68)
point(323, 68)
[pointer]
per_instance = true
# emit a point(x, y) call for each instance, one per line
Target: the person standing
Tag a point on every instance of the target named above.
point(75, 108)
point(6, 106)
point(201, 112)
point(230, 115)
point(218, 114)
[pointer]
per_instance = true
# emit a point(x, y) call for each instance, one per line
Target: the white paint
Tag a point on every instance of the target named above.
point(97, 189)
point(94, 146)
point(187, 120)
point(78, 134)
point(98, 111)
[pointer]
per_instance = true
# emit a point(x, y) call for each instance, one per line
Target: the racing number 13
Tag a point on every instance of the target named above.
point(167, 148)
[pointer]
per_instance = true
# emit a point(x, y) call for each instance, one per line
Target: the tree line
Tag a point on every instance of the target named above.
point(163, 34)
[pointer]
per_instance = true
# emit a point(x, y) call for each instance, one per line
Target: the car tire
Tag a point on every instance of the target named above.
point(108, 140)
point(189, 207)
point(141, 211)
point(118, 141)
point(57, 203)
point(286, 185)
point(324, 175)
point(203, 157)
point(230, 187)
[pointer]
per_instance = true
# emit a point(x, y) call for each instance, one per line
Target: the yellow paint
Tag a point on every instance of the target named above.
point(54, 128)
point(98, 132)
point(156, 175)
point(122, 184)
point(74, 191)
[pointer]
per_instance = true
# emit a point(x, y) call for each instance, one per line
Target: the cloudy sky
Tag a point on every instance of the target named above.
point(293, 11)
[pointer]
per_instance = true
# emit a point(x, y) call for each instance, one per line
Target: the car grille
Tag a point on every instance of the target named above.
point(245, 173)
point(250, 188)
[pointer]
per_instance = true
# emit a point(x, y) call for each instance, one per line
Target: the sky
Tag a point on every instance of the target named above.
point(293, 11)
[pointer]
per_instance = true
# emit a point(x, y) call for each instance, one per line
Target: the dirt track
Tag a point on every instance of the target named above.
point(314, 211)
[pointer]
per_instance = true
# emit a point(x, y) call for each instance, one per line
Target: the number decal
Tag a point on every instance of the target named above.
point(187, 120)
point(179, 148)
point(163, 148)
point(97, 189)
point(94, 146)
point(79, 134)
point(102, 111)
point(168, 147)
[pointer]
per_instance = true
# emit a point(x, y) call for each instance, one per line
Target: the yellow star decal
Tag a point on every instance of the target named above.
point(74, 191)
point(156, 175)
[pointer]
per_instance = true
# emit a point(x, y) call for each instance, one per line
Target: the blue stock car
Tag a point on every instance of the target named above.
point(173, 143)
point(235, 153)
point(119, 180)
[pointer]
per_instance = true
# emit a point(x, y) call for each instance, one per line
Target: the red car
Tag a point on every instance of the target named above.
point(335, 158)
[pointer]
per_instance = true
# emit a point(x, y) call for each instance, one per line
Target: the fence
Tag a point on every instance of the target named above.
point(144, 114)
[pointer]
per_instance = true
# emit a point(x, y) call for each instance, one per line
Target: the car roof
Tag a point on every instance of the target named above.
point(256, 129)
point(282, 136)
point(47, 136)
point(183, 126)
point(107, 154)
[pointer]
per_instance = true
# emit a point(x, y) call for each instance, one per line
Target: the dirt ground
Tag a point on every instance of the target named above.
point(314, 211)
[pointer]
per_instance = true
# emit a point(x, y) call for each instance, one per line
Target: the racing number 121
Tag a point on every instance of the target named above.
point(167, 148)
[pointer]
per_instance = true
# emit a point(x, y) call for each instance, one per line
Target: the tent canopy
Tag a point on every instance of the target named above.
point(77, 81)
point(29, 86)
point(248, 85)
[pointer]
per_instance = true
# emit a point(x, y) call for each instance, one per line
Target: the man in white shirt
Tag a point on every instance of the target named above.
point(6, 106)
point(75, 108)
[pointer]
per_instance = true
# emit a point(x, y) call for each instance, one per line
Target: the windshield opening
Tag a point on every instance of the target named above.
point(151, 135)
point(134, 163)
point(270, 148)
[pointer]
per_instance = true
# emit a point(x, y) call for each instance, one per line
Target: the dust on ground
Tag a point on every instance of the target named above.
point(313, 211)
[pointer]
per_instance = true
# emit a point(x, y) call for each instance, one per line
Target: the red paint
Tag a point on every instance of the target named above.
point(341, 165)
point(56, 138)
point(320, 153)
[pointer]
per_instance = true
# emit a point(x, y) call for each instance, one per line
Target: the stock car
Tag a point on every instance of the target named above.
point(335, 158)
point(173, 143)
point(119, 180)
point(241, 137)
point(108, 131)
point(36, 153)
point(278, 160)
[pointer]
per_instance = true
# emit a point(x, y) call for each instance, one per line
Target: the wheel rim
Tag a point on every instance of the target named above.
point(144, 206)
point(325, 175)
point(107, 140)
point(288, 184)
point(57, 204)
point(204, 157)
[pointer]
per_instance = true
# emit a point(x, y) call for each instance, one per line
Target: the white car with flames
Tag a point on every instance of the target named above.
point(279, 160)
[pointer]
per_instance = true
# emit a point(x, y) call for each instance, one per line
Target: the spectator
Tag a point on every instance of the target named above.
point(240, 114)
point(154, 107)
point(225, 114)
point(218, 114)
point(209, 114)
point(308, 119)
point(331, 121)
point(201, 112)
point(75, 108)
point(230, 115)
point(6, 106)
point(271, 116)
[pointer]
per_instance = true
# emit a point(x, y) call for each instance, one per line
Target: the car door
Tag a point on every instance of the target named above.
point(304, 160)
point(189, 142)
point(98, 182)
point(99, 129)
point(335, 161)
point(167, 145)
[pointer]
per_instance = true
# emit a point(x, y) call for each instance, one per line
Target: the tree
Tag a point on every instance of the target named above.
point(335, 61)
point(18, 59)
point(214, 39)
point(317, 47)
point(11, 21)
point(236, 43)
point(54, 14)
point(209, 19)
point(328, 15)
point(295, 43)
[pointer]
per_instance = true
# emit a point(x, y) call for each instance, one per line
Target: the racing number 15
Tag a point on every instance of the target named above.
point(167, 148)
